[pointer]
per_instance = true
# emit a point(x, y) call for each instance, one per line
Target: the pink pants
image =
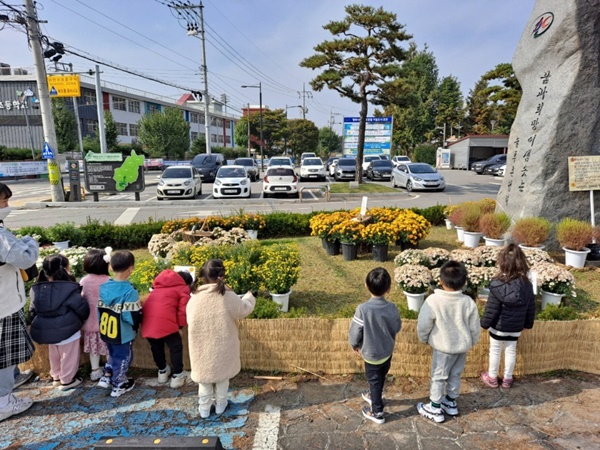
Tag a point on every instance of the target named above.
point(64, 361)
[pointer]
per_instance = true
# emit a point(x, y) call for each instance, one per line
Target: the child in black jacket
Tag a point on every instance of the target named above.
point(510, 308)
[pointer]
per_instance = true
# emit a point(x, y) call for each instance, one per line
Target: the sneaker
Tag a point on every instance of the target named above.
point(449, 407)
point(366, 395)
point(489, 381)
point(204, 412)
point(96, 374)
point(104, 382)
point(124, 387)
point(74, 383)
point(177, 380)
point(56, 383)
point(14, 406)
point(507, 383)
point(163, 375)
point(220, 407)
point(23, 378)
point(431, 412)
point(374, 417)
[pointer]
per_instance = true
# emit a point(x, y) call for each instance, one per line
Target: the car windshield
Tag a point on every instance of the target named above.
point(382, 163)
point(177, 172)
point(204, 160)
point(347, 162)
point(244, 162)
point(279, 162)
point(371, 158)
point(280, 172)
point(312, 162)
point(421, 168)
point(231, 172)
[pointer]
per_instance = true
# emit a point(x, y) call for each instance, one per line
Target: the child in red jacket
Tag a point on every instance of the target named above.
point(163, 316)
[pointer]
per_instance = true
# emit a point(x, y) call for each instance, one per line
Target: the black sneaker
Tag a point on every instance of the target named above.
point(366, 396)
point(73, 384)
point(124, 387)
point(374, 417)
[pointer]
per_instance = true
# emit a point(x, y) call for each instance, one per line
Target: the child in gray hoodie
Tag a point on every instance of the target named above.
point(372, 336)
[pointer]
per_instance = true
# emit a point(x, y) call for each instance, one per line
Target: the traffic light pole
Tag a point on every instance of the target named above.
point(33, 33)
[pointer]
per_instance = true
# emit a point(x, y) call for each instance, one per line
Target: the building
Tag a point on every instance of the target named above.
point(126, 104)
point(474, 148)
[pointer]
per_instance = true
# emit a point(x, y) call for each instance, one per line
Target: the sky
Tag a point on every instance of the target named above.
point(252, 41)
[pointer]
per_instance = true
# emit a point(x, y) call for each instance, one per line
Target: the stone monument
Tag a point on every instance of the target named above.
point(557, 63)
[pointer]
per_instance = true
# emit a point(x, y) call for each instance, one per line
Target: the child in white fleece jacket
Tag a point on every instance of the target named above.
point(449, 322)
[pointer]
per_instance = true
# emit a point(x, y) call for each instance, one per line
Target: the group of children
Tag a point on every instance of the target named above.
point(449, 322)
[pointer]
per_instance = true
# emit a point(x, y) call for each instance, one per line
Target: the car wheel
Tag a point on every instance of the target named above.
point(409, 186)
point(296, 195)
point(394, 182)
point(265, 195)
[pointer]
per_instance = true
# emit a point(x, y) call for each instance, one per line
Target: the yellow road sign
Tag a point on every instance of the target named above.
point(64, 86)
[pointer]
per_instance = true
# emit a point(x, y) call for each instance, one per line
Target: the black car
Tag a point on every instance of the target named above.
point(251, 167)
point(380, 170)
point(346, 169)
point(208, 165)
point(480, 166)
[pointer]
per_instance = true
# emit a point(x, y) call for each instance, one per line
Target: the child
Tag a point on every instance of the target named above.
point(119, 313)
point(95, 264)
point(449, 322)
point(213, 336)
point(58, 311)
point(16, 346)
point(163, 315)
point(372, 335)
point(510, 308)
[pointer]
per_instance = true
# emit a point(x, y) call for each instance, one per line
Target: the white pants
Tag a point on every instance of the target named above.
point(510, 357)
point(208, 391)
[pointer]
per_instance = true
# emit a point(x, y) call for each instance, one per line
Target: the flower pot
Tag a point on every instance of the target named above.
point(460, 233)
point(252, 234)
point(472, 238)
point(324, 243)
point(62, 245)
point(349, 251)
point(528, 247)
point(575, 258)
point(494, 242)
point(415, 301)
point(550, 298)
point(333, 248)
point(448, 224)
point(283, 300)
point(380, 252)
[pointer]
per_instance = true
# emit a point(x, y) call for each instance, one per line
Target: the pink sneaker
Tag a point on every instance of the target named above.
point(507, 383)
point(489, 381)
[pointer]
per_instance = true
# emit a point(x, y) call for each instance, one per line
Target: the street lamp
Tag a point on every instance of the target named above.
point(259, 86)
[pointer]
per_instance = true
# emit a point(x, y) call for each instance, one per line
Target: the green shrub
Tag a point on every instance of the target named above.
point(265, 308)
point(284, 224)
point(66, 231)
point(133, 236)
point(425, 153)
point(15, 154)
point(558, 312)
point(34, 230)
point(433, 214)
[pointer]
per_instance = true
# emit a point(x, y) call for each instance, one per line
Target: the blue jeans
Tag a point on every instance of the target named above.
point(120, 358)
point(376, 377)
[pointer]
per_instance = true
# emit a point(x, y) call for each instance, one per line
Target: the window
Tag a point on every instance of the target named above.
point(194, 135)
point(153, 107)
point(216, 122)
point(202, 119)
point(91, 127)
point(134, 106)
point(119, 103)
point(195, 117)
point(228, 139)
point(121, 128)
point(213, 138)
point(220, 139)
point(89, 97)
point(134, 129)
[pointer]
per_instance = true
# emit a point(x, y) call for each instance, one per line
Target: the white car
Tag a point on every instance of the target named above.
point(280, 161)
point(400, 159)
point(333, 166)
point(312, 168)
point(231, 181)
point(280, 180)
point(367, 159)
point(179, 182)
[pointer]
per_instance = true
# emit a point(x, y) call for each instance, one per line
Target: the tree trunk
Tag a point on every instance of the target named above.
point(364, 109)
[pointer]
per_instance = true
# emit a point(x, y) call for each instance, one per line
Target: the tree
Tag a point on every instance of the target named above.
point(66, 126)
point(303, 136)
point(165, 134)
point(110, 132)
point(330, 141)
point(240, 133)
point(198, 146)
point(274, 123)
point(448, 104)
point(359, 66)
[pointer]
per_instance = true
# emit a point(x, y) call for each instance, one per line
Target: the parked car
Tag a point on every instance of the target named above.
point(208, 165)
point(280, 161)
point(307, 155)
point(417, 176)
point(329, 162)
point(333, 166)
point(367, 159)
point(312, 168)
point(251, 167)
point(400, 159)
point(346, 169)
point(179, 182)
point(379, 170)
point(280, 180)
point(496, 169)
point(480, 166)
point(231, 181)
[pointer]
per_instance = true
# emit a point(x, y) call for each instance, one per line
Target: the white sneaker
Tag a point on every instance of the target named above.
point(123, 388)
point(163, 375)
point(96, 374)
point(220, 408)
point(177, 380)
point(431, 412)
point(14, 406)
point(204, 412)
point(449, 407)
point(104, 382)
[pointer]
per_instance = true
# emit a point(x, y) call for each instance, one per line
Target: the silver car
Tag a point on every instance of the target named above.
point(417, 176)
point(179, 182)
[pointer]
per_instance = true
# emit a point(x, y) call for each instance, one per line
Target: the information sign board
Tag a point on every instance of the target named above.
point(109, 173)
point(378, 135)
point(64, 86)
point(584, 173)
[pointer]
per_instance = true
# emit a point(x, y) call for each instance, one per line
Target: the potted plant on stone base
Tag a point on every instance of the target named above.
point(573, 235)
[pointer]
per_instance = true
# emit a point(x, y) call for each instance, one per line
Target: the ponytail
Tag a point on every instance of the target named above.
point(213, 272)
point(55, 268)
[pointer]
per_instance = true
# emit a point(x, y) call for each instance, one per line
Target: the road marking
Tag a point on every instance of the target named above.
point(268, 429)
point(127, 217)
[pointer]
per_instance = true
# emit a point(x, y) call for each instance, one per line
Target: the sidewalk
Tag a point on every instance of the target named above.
point(306, 412)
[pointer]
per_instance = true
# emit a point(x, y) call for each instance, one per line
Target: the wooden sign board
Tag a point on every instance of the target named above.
point(584, 173)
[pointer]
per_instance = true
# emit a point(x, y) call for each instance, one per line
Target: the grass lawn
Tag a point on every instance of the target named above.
point(344, 188)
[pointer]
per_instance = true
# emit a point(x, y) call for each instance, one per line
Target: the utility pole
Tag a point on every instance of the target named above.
point(304, 94)
point(100, 112)
point(33, 33)
point(69, 68)
point(248, 123)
